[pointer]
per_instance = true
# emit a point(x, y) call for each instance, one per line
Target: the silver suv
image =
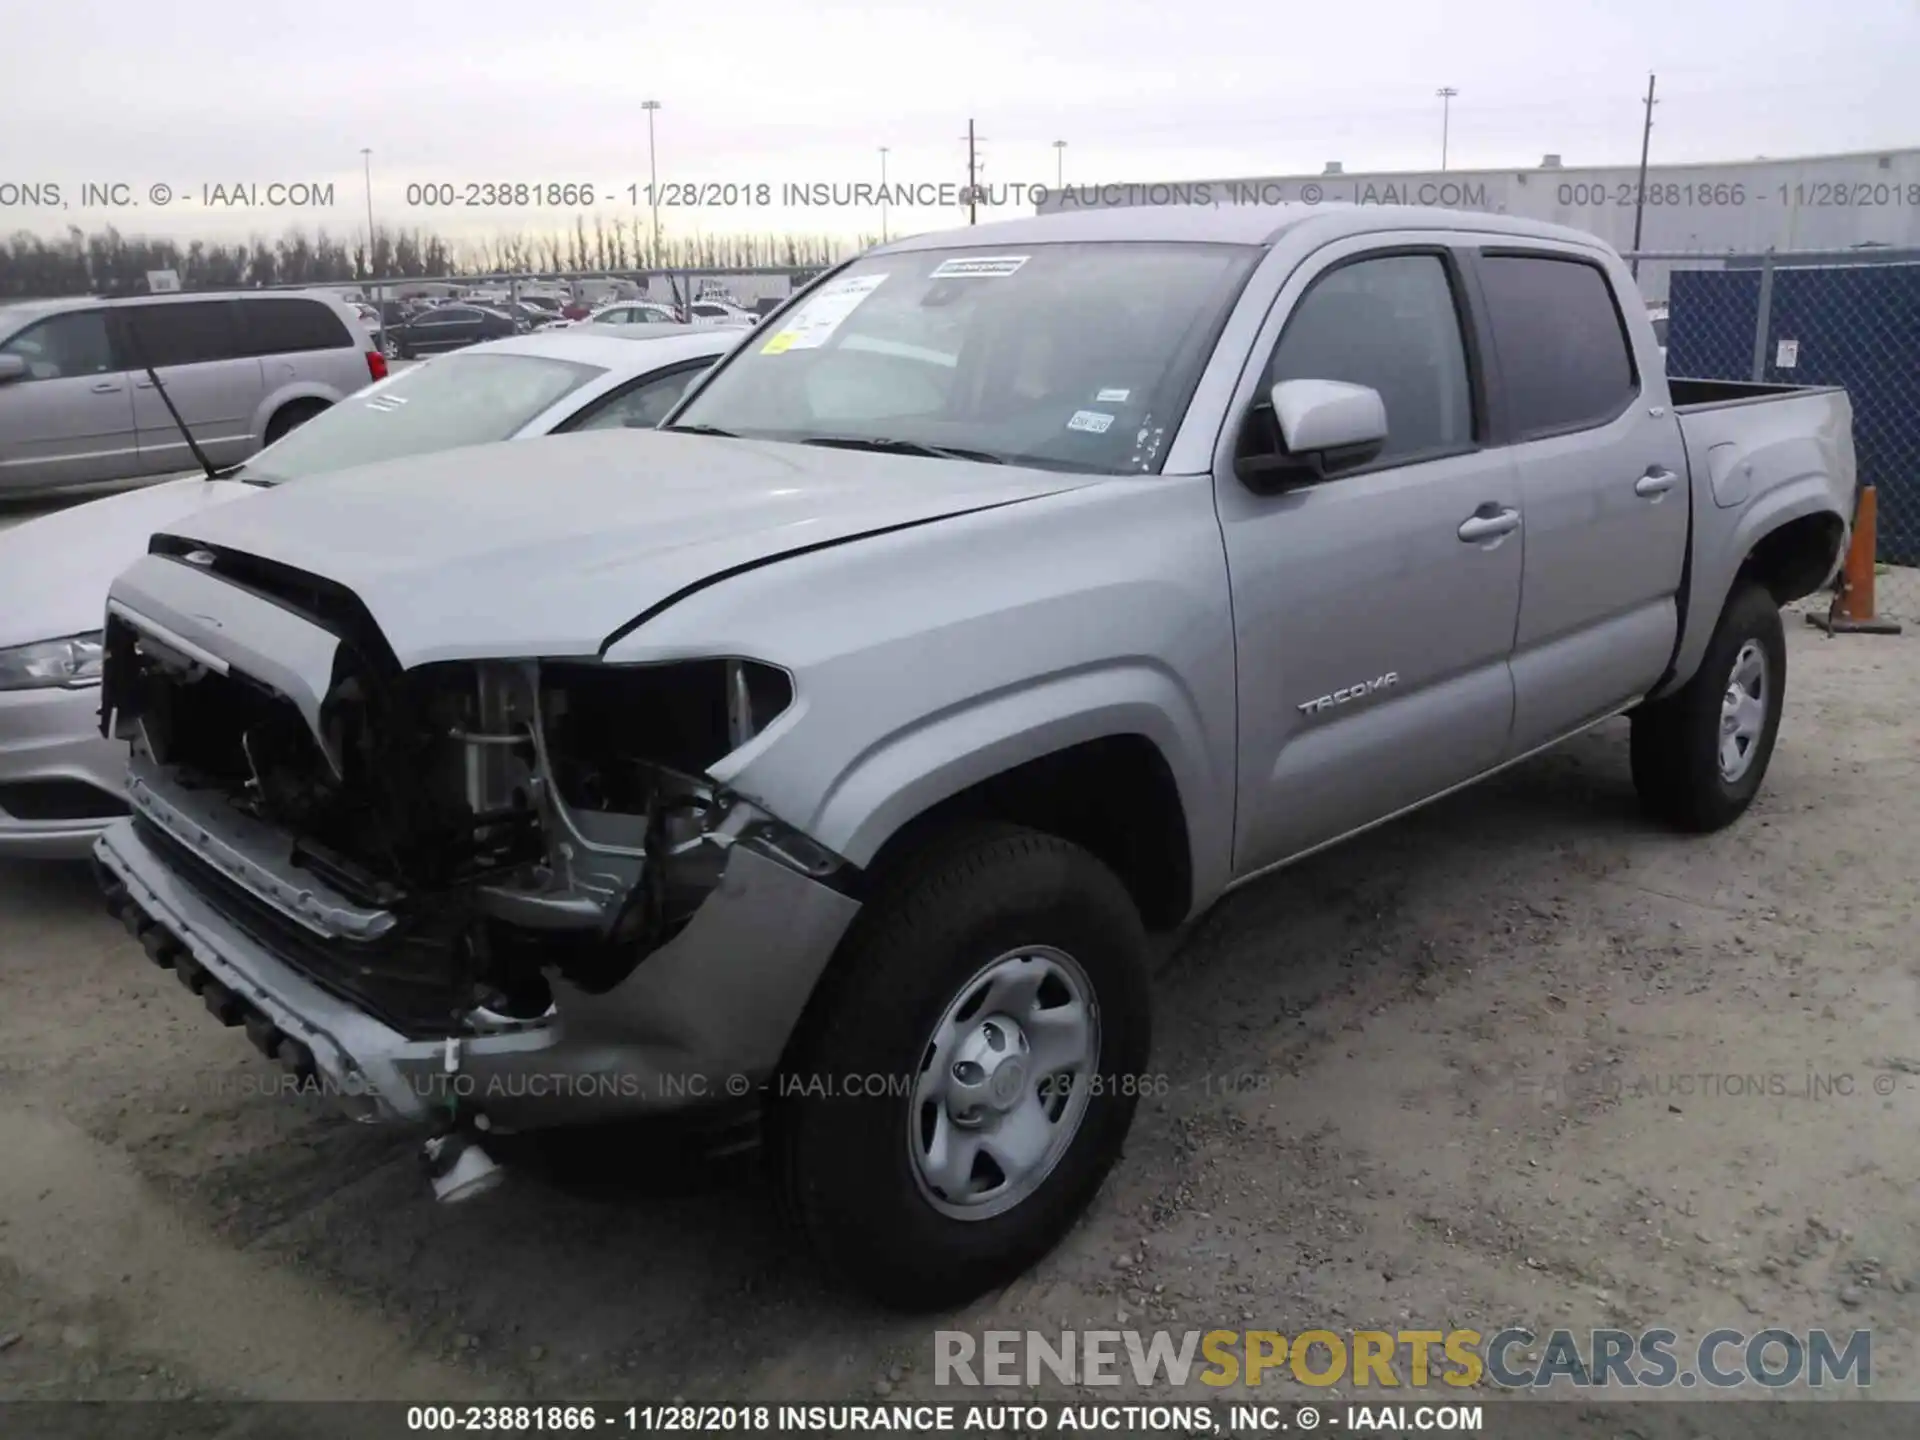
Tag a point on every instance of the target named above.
point(78, 411)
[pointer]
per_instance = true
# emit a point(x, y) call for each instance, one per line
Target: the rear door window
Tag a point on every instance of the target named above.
point(1564, 359)
point(193, 332)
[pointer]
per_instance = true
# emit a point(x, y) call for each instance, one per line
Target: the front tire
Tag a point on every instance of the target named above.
point(1700, 754)
point(968, 1074)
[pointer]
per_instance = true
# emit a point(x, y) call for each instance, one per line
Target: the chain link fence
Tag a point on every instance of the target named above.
point(1849, 318)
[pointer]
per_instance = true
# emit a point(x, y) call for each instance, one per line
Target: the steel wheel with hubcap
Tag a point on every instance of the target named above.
point(1005, 1084)
point(1743, 713)
point(997, 979)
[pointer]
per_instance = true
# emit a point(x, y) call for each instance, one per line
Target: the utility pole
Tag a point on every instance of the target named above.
point(883, 194)
point(653, 180)
point(1059, 165)
point(1446, 94)
point(1640, 191)
point(366, 161)
point(973, 186)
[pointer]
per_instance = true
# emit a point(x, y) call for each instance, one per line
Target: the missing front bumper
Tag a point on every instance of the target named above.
point(701, 1022)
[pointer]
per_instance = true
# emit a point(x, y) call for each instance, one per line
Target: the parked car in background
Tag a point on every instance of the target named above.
point(450, 327)
point(720, 312)
point(527, 316)
point(868, 725)
point(633, 312)
point(78, 412)
point(59, 781)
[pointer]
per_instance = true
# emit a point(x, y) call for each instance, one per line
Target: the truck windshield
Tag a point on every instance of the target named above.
point(1064, 356)
point(439, 404)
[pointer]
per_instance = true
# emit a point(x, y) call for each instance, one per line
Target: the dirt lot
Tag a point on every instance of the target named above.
point(1474, 1074)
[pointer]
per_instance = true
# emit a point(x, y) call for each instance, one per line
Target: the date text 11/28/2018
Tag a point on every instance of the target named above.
point(1820, 194)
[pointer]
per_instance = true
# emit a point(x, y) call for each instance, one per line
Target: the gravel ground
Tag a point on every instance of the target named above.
point(1448, 1074)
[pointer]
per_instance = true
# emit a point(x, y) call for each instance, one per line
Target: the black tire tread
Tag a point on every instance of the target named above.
point(1675, 739)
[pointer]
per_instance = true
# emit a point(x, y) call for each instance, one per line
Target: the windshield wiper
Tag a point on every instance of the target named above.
point(885, 446)
point(701, 430)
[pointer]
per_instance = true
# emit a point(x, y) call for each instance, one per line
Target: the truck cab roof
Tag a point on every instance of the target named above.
point(1260, 225)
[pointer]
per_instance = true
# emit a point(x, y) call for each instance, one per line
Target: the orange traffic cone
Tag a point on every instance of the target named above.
point(1852, 611)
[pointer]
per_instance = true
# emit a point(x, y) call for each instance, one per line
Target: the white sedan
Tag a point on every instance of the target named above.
point(631, 312)
point(60, 781)
point(720, 312)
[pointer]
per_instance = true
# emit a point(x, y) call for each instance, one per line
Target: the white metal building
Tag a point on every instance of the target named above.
point(1820, 202)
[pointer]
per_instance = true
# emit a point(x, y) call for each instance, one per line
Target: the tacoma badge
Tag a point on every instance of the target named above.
point(1350, 692)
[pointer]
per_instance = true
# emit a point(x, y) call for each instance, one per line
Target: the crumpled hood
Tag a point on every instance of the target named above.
point(54, 570)
point(546, 547)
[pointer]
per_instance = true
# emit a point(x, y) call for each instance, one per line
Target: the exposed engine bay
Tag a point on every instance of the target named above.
point(520, 820)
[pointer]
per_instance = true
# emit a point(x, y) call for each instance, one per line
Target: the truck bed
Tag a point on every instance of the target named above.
point(1760, 456)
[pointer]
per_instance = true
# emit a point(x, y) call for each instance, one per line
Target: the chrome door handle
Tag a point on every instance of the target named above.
point(1655, 482)
point(106, 387)
point(1476, 528)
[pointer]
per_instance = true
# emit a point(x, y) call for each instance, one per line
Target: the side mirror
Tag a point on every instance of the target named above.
point(12, 367)
point(1323, 426)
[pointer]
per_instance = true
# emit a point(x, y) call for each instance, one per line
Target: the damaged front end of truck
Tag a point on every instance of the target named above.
point(501, 891)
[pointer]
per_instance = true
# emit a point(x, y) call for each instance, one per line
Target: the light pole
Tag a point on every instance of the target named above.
point(1059, 165)
point(1446, 94)
point(883, 194)
point(653, 179)
point(366, 163)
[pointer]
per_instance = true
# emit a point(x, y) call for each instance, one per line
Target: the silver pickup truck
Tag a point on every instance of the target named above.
point(1015, 592)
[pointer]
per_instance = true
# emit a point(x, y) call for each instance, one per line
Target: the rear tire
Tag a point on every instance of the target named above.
point(291, 417)
point(1700, 754)
point(996, 945)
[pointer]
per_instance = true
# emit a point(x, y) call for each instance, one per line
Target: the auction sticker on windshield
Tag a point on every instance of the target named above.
point(823, 314)
point(977, 265)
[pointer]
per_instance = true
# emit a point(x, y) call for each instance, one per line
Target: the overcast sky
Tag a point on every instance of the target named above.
point(107, 91)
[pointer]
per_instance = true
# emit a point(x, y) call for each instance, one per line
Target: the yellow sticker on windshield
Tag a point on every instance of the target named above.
point(779, 343)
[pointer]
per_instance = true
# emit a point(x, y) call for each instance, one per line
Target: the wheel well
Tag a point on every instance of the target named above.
point(1114, 797)
point(1792, 561)
point(292, 413)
